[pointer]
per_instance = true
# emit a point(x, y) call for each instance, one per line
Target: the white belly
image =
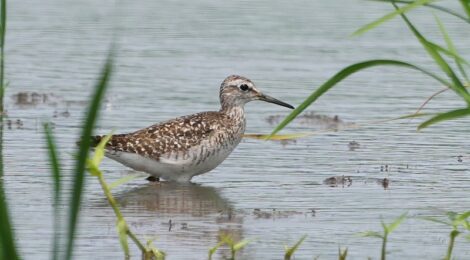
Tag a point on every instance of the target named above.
point(198, 160)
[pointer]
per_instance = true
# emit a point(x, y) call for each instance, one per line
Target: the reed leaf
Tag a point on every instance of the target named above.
point(397, 222)
point(466, 6)
point(454, 114)
point(457, 85)
point(215, 248)
point(342, 254)
point(450, 45)
point(344, 73)
point(433, 6)
point(3, 31)
point(56, 176)
point(277, 137)
point(122, 230)
point(8, 248)
point(123, 180)
point(391, 15)
point(449, 53)
point(7, 241)
point(87, 130)
point(291, 250)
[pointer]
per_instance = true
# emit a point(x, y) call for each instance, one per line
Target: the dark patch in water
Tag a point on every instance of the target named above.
point(312, 119)
point(335, 181)
point(385, 182)
point(33, 99)
point(353, 146)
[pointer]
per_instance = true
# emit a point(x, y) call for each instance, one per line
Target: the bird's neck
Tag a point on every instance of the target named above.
point(235, 112)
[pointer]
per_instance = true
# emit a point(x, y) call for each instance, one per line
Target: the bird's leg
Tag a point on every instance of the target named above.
point(153, 179)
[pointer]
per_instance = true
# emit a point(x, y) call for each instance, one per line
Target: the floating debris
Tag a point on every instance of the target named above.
point(385, 168)
point(14, 124)
point(353, 145)
point(65, 113)
point(460, 158)
point(335, 181)
point(274, 213)
point(384, 182)
point(27, 98)
point(184, 226)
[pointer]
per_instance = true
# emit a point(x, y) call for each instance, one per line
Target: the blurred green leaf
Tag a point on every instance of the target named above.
point(241, 244)
point(123, 180)
point(122, 229)
point(156, 253)
point(391, 227)
point(100, 150)
point(56, 176)
point(344, 73)
point(276, 137)
point(454, 114)
point(371, 234)
point(450, 54)
point(291, 250)
point(7, 241)
point(342, 254)
point(453, 51)
point(87, 131)
point(436, 220)
point(466, 6)
point(391, 15)
point(215, 248)
point(8, 248)
point(436, 7)
point(457, 85)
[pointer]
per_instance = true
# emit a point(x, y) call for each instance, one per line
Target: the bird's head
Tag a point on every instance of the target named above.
point(237, 91)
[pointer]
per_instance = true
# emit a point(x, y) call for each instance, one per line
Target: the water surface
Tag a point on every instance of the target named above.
point(172, 57)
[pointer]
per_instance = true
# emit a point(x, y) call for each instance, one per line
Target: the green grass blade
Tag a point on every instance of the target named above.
point(291, 250)
point(397, 222)
point(451, 54)
point(454, 114)
point(342, 254)
point(239, 245)
point(371, 234)
point(87, 129)
point(7, 242)
point(122, 229)
point(466, 6)
point(8, 248)
point(124, 180)
point(435, 220)
point(3, 31)
point(215, 248)
point(451, 47)
point(457, 86)
point(433, 6)
point(391, 15)
point(344, 73)
point(56, 176)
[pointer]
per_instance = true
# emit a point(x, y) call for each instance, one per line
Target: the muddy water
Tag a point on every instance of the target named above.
point(172, 56)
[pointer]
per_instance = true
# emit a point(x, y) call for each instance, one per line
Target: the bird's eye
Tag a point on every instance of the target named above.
point(244, 87)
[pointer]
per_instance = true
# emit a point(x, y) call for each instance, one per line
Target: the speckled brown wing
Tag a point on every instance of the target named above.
point(179, 134)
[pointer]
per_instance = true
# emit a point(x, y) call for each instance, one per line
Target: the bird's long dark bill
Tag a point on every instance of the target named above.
point(274, 101)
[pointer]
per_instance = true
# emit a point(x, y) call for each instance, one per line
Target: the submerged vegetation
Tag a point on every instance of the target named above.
point(63, 247)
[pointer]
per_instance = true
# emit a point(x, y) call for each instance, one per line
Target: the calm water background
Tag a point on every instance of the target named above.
point(172, 57)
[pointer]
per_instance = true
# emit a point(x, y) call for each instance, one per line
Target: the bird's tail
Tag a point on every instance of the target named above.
point(113, 141)
point(94, 140)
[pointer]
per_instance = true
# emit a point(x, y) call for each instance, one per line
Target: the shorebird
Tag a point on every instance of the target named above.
point(181, 148)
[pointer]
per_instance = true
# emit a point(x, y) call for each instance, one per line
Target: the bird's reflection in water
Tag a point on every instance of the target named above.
point(190, 214)
point(173, 198)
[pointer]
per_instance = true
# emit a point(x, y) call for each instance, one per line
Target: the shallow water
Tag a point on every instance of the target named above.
point(172, 56)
